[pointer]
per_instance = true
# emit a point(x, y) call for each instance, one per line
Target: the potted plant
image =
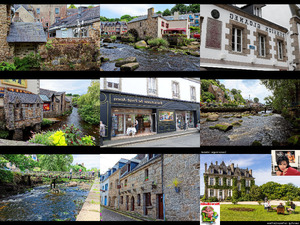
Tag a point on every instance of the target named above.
point(154, 184)
point(175, 182)
point(146, 179)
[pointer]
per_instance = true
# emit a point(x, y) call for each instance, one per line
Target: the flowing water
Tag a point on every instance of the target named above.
point(41, 205)
point(264, 128)
point(74, 118)
point(148, 60)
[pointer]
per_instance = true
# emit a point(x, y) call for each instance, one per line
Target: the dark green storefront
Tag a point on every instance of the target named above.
point(160, 111)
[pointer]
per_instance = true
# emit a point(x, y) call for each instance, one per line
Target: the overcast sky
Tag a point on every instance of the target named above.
point(259, 163)
point(90, 161)
point(69, 86)
point(248, 87)
point(109, 160)
point(118, 10)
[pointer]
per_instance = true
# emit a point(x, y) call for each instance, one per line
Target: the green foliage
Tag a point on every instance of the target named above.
point(28, 62)
point(208, 96)
point(73, 137)
point(89, 104)
point(167, 12)
point(46, 122)
point(42, 138)
point(5, 66)
point(55, 162)
point(72, 6)
point(4, 134)
point(6, 176)
point(256, 100)
point(113, 37)
point(21, 161)
point(157, 42)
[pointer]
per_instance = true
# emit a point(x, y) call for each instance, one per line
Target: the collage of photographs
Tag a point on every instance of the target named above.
point(211, 148)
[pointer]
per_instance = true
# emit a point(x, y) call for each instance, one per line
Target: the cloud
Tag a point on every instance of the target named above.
point(123, 9)
point(109, 160)
point(90, 161)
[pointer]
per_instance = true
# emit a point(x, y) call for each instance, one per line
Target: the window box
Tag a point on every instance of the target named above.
point(146, 179)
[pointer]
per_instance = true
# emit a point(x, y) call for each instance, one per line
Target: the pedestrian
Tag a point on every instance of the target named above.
point(136, 125)
point(93, 173)
point(102, 132)
point(71, 173)
point(80, 172)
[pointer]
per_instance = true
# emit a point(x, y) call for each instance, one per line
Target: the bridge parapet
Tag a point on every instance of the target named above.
point(60, 174)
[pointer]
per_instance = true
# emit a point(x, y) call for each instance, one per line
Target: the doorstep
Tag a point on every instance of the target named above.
point(132, 140)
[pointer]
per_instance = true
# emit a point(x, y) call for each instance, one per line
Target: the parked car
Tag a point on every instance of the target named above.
point(198, 126)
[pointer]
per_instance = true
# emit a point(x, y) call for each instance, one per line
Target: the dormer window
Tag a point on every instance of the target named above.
point(220, 171)
point(257, 11)
point(211, 170)
point(228, 173)
point(150, 156)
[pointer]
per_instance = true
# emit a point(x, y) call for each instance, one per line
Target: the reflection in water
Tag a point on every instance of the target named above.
point(74, 118)
point(149, 60)
point(264, 128)
point(41, 205)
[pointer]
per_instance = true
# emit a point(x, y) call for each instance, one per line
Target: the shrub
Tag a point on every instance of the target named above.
point(42, 138)
point(4, 134)
point(234, 201)
point(58, 138)
point(46, 122)
point(90, 114)
point(5, 66)
point(157, 42)
point(114, 37)
point(28, 62)
point(212, 199)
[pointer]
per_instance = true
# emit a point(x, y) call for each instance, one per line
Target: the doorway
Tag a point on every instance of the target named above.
point(160, 207)
point(132, 203)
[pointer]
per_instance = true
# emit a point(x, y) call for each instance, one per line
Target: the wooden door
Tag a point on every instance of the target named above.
point(127, 204)
point(132, 203)
point(160, 207)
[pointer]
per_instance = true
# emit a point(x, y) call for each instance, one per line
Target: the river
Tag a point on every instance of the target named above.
point(74, 118)
point(41, 205)
point(264, 128)
point(148, 60)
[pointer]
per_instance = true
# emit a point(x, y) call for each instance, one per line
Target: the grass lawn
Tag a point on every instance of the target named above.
point(258, 214)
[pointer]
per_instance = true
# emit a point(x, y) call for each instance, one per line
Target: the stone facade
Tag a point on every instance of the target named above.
point(5, 52)
point(182, 206)
point(217, 92)
point(112, 28)
point(223, 181)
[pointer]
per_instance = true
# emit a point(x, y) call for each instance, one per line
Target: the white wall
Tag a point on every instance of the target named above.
point(103, 194)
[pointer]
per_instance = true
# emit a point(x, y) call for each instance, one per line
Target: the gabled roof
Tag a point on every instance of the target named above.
point(45, 98)
point(50, 93)
point(88, 16)
point(26, 32)
point(23, 97)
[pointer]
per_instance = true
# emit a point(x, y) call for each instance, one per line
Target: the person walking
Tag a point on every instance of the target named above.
point(102, 132)
point(136, 125)
point(80, 172)
point(71, 173)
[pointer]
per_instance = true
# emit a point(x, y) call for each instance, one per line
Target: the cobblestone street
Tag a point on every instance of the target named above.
point(108, 215)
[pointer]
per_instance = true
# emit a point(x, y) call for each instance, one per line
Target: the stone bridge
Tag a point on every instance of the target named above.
point(60, 174)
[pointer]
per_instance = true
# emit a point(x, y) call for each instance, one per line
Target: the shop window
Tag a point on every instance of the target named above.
point(262, 45)
point(175, 89)
point(139, 199)
point(237, 35)
point(193, 94)
point(152, 81)
point(146, 174)
point(280, 50)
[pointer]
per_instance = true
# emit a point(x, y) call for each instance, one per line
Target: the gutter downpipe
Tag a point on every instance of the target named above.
point(162, 184)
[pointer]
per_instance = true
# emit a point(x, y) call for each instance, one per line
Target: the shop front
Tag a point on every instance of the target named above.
point(127, 114)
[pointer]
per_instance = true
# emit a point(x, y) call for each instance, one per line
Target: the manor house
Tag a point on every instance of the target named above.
point(221, 180)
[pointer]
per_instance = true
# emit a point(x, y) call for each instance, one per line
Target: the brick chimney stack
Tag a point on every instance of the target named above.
point(250, 172)
point(176, 15)
point(216, 163)
point(232, 167)
point(205, 165)
point(150, 12)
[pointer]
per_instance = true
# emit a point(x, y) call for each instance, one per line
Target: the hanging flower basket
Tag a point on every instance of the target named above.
point(177, 189)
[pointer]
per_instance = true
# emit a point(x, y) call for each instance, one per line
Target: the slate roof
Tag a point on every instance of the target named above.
point(67, 99)
point(140, 18)
point(26, 32)
point(89, 16)
point(45, 98)
point(225, 169)
point(23, 97)
point(113, 23)
point(26, 6)
point(50, 93)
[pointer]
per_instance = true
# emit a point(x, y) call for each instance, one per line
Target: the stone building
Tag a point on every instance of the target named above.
point(5, 20)
point(223, 181)
point(24, 13)
point(20, 106)
point(113, 28)
point(155, 25)
point(55, 103)
point(144, 186)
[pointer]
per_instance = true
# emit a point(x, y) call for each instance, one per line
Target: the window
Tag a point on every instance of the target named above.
point(238, 177)
point(247, 183)
point(121, 201)
point(111, 185)
point(117, 182)
point(128, 167)
point(228, 173)
point(211, 192)
point(125, 183)
point(220, 181)
point(229, 193)
point(175, 89)
point(56, 10)
point(211, 170)
point(38, 10)
point(138, 199)
point(257, 11)
point(162, 23)
point(220, 171)
point(167, 25)
point(150, 156)
point(148, 199)
point(106, 187)
point(211, 181)
point(262, 45)
point(140, 24)
point(220, 194)
point(280, 50)
point(239, 187)
point(146, 174)
point(236, 39)
point(193, 93)
point(113, 83)
point(152, 85)
point(162, 31)
point(47, 24)
point(228, 182)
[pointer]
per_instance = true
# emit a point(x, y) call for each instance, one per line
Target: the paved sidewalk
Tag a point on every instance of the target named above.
point(91, 208)
point(6, 142)
point(121, 142)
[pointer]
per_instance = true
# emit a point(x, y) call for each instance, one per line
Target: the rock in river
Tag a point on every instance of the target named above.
point(222, 126)
point(108, 40)
point(212, 117)
point(72, 184)
point(141, 44)
point(125, 61)
point(130, 66)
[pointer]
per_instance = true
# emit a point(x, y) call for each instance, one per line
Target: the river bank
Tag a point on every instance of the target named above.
point(150, 59)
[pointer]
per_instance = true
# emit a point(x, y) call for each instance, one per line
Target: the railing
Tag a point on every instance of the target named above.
point(60, 174)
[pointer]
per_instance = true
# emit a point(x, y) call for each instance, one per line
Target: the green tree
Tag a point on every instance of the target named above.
point(234, 91)
point(195, 8)
point(158, 12)
point(55, 162)
point(256, 100)
point(21, 161)
point(72, 6)
point(91, 6)
point(103, 19)
point(89, 104)
point(126, 18)
point(167, 12)
point(76, 168)
point(256, 193)
point(181, 8)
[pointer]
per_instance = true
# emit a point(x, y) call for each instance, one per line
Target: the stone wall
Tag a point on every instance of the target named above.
point(182, 206)
point(94, 33)
point(113, 191)
point(5, 51)
point(70, 54)
point(137, 185)
point(145, 28)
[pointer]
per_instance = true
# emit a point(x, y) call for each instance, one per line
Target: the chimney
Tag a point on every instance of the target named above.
point(176, 15)
point(150, 12)
point(250, 172)
point(232, 167)
point(216, 163)
point(205, 165)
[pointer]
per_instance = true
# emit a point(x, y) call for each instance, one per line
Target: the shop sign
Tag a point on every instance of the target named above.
point(46, 106)
point(15, 82)
point(135, 100)
point(166, 116)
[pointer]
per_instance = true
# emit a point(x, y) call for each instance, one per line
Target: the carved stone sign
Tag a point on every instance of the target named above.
point(214, 34)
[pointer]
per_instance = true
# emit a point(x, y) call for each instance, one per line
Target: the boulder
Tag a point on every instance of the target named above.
point(130, 66)
point(222, 127)
point(125, 61)
point(72, 184)
point(236, 123)
point(212, 117)
point(195, 43)
point(238, 116)
point(193, 47)
point(141, 44)
point(194, 53)
point(108, 40)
